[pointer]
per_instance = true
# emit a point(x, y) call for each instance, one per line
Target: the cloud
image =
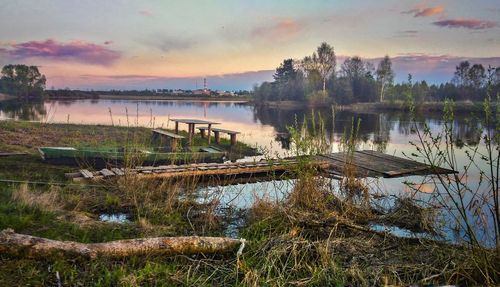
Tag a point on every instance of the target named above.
point(146, 13)
point(474, 24)
point(281, 30)
point(78, 51)
point(425, 11)
point(430, 11)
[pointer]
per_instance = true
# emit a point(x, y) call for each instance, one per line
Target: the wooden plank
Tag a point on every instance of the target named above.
point(72, 174)
point(407, 171)
point(106, 172)
point(375, 163)
point(117, 171)
point(225, 131)
point(86, 173)
point(168, 134)
point(365, 171)
point(398, 166)
point(404, 161)
point(370, 163)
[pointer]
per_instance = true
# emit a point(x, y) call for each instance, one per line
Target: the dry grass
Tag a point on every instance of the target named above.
point(29, 135)
point(407, 214)
point(48, 200)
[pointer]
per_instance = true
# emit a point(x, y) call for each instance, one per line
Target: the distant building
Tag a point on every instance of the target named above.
point(224, 93)
point(199, 92)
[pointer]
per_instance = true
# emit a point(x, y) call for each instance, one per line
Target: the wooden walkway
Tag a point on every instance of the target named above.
point(363, 163)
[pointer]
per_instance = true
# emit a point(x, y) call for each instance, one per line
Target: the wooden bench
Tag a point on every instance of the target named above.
point(157, 133)
point(232, 134)
point(203, 131)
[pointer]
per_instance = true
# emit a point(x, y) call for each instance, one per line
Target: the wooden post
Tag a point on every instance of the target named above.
point(209, 132)
point(233, 139)
point(202, 132)
point(217, 137)
point(176, 127)
point(173, 144)
point(190, 128)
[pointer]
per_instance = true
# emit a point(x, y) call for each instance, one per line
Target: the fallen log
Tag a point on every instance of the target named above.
point(31, 246)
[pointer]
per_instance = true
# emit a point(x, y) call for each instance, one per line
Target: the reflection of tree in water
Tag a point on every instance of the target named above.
point(23, 110)
point(375, 127)
point(372, 126)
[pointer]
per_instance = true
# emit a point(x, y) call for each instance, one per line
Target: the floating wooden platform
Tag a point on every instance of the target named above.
point(368, 163)
point(362, 163)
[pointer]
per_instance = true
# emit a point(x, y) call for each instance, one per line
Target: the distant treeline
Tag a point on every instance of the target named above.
point(27, 82)
point(316, 79)
point(67, 93)
point(22, 81)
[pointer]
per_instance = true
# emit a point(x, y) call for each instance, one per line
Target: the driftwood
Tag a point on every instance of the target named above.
point(32, 246)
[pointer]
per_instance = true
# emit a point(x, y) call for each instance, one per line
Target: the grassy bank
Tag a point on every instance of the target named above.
point(420, 107)
point(377, 106)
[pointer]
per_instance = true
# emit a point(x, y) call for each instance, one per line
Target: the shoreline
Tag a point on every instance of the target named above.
point(460, 106)
point(153, 98)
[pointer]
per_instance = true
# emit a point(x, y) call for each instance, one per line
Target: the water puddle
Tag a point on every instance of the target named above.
point(114, 217)
point(398, 231)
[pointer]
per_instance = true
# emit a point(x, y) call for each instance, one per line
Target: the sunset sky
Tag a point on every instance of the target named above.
point(174, 44)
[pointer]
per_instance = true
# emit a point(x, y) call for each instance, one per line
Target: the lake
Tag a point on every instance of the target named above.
point(266, 128)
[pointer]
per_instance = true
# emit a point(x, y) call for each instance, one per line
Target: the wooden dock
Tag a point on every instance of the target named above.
point(368, 163)
point(363, 163)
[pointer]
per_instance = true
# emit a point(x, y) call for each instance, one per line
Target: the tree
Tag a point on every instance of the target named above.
point(461, 76)
point(477, 76)
point(385, 75)
point(359, 75)
point(288, 81)
point(323, 61)
point(22, 80)
point(285, 72)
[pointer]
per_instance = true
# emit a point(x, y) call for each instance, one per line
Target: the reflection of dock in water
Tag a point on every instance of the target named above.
point(360, 163)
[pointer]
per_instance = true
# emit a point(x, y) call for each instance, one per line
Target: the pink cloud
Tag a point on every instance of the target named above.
point(283, 29)
point(474, 24)
point(425, 11)
point(430, 11)
point(78, 51)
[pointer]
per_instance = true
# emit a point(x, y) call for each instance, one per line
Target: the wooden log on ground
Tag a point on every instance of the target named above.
point(37, 247)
